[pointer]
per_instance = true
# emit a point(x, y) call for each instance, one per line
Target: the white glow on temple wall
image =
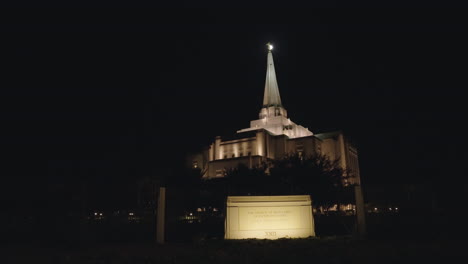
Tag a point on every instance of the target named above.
point(220, 152)
point(236, 149)
point(245, 148)
point(260, 144)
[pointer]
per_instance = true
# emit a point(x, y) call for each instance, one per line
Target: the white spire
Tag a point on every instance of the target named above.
point(271, 96)
point(273, 117)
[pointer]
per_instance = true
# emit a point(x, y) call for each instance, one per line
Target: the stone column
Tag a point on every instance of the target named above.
point(360, 211)
point(217, 150)
point(161, 215)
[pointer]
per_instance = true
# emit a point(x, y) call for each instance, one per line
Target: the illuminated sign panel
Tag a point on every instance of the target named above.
point(269, 217)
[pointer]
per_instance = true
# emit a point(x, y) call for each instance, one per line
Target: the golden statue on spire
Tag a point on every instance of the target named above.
point(270, 46)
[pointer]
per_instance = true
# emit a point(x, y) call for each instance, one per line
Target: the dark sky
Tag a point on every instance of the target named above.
point(109, 95)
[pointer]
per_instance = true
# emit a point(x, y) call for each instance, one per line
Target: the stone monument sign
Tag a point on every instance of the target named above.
point(269, 217)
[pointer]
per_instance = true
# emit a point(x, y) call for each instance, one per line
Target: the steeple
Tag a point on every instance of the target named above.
point(273, 117)
point(271, 98)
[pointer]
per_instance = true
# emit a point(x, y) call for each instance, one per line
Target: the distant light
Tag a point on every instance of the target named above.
point(130, 213)
point(95, 213)
point(191, 214)
point(396, 208)
point(390, 208)
point(100, 214)
point(375, 208)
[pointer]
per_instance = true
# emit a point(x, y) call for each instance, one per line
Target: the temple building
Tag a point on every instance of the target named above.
point(272, 136)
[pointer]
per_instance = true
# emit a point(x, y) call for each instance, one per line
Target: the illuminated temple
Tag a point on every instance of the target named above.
point(272, 136)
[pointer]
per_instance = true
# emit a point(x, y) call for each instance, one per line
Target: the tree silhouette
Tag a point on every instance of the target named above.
point(321, 178)
point(242, 180)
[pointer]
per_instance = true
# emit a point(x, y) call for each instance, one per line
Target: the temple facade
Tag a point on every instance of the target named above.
point(272, 136)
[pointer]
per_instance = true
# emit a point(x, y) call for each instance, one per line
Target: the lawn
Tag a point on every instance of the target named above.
point(313, 250)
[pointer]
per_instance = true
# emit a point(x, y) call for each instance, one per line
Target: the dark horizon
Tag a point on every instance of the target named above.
point(108, 102)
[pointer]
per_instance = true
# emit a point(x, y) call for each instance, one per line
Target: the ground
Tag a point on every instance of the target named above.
point(313, 250)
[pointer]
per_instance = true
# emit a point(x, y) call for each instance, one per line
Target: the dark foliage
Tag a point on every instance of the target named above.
point(317, 176)
point(323, 179)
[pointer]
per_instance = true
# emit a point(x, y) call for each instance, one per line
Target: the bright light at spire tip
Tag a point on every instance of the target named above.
point(270, 47)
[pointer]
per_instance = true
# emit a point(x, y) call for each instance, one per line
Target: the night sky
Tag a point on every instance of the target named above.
point(110, 96)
